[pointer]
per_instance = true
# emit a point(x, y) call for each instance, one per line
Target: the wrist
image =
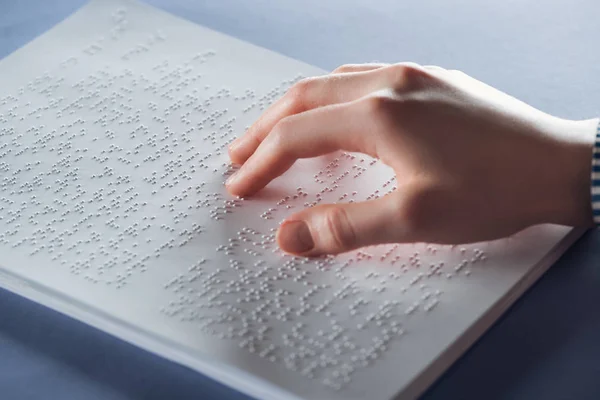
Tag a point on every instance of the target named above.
point(572, 167)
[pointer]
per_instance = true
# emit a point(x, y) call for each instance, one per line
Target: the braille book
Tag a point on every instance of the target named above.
point(114, 128)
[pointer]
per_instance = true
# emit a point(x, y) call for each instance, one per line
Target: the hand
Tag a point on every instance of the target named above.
point(472, 163)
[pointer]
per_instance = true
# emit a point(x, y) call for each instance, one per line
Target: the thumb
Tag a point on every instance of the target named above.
point(338, 228)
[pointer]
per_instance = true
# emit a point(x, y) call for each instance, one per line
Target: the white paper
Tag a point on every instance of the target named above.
point(113, 135)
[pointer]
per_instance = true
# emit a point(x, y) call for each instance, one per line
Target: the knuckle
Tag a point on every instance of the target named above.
point(340, 231)
point(279, 136)
point(300, 91)
point(344, 68)
point(383, 113)
point(409, 77)
point(378, 105)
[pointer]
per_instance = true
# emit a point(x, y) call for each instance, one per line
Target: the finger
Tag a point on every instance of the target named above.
point(306, 95)
point(334, 229)
point(310, 134)
point(350, 68)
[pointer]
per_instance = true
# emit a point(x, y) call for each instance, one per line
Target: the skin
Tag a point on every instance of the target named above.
point(472, 163)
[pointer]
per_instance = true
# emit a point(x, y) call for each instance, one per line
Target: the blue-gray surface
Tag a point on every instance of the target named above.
point(546, 53)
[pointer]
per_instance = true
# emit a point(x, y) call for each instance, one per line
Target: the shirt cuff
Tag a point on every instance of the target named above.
point(596, 178)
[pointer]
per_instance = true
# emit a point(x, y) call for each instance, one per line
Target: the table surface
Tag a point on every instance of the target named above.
point(546, 347)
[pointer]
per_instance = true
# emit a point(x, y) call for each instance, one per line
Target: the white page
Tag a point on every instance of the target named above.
point(113, 135)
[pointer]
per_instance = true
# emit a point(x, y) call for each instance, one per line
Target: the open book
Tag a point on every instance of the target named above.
point(114, 129)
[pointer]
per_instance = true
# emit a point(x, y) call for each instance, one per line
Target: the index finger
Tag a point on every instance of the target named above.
point(306, 95)
point(310, 134)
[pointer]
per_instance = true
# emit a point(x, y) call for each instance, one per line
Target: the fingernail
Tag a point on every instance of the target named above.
point(235, 144)
point(232, 178)
point(295, 237)
point(241, 148)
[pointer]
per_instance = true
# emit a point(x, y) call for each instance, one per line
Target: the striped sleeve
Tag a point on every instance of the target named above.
point(596, 178)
